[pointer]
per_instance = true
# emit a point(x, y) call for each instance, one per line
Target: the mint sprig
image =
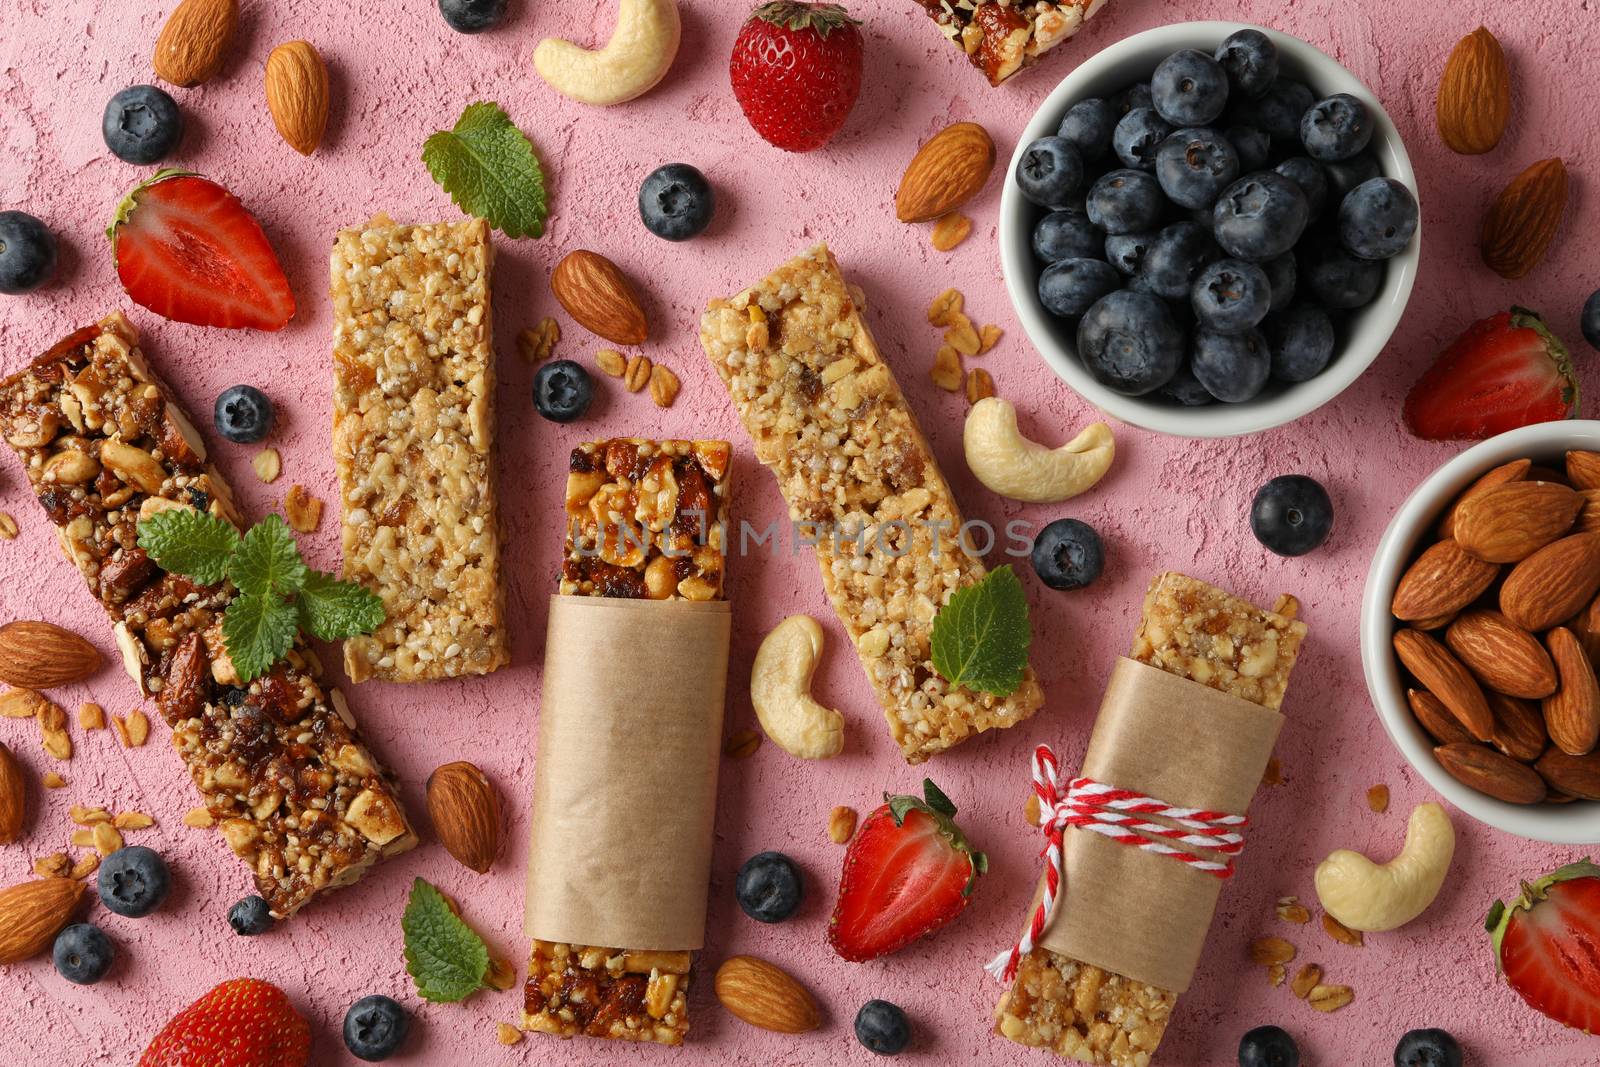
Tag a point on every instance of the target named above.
point(490, 170)
point(444, 956)
point(981, 636)
point(278, 594)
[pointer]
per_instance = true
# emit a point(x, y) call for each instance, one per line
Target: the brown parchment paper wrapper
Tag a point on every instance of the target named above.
point(1135, 913)
point(625, 788)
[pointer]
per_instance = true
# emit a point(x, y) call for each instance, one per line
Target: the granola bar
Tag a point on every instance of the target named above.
point(279, 762)
point(646, 520)
point(1199, 632)
point(577, 990)
point(413, 442)
point(1000, 37)
point(829, 421)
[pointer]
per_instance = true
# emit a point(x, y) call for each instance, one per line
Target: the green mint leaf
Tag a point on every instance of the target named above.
point(444, 956)
point(189, 542)
point(333, 610)
point(489, 168)
point(258, 630)
point(267, 560)
point(981, 636)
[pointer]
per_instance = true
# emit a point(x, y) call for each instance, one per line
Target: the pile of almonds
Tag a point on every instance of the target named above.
point(1501, 630)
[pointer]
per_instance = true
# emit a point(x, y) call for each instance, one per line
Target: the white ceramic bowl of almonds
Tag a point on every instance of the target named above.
point(1412, 529)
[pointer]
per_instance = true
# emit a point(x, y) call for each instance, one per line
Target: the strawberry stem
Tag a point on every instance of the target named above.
point(791, 15)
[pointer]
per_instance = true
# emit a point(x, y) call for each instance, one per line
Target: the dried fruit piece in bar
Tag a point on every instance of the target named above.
point(1000, 37)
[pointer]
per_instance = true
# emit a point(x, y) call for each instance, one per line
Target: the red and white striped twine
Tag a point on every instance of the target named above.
point(1114, 813)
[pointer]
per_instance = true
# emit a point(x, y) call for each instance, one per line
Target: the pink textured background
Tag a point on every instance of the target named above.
point(398, 74)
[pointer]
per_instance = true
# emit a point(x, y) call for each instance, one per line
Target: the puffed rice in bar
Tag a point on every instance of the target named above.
point(1001, 37)
point(829, 421)
point(279, 762)
point(413, 443)
point(1199, 632)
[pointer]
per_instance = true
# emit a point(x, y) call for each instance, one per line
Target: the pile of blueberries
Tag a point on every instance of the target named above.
point(1207, 229)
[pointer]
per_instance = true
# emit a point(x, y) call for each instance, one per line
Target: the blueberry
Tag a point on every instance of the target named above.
point(243, 414)
point(768, 887)
point(472, 16)
point(1308, 174)
point(83, 953)
point(1300, 340)
point(562, 390)
point(1068, 288)
point(375, 1027)
point(1088, 124)
point(1125, 201)
point(1138, 136)
point(1050, 171)
point(142, 124)
point(1427, 1048)
point(1377, 218)
point(1345, 174)
point(676, 202)
point(1126, 251)
point(1175, 259)
point(1067, 554)
point(1260, 216)
point(1189, 88)
point(882, 1027)
point(1231, 296)
point(134, 881)
point(1193, 165)
point(1268, 1046)
point(1337, 279)
point(1130, 343)
point(1185, 389)
point(1589, 322)
point(1250, 60)
point(1336, 127)
point(1279, 109)
point(250, 917)
point(1291, 515)
point(1281, 275)
point(1233, 367)
point(1133, 98)
point(1252, 144)
point(1067, 234)
point(27, 252)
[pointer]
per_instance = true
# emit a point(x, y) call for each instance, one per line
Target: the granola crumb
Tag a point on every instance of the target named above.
point(199, 819)
point(1378, 798)
point(1274, 772)
point(19, 703)
point(611, 362)
point(86, 865)
point(53, 730)
point(1305, 980)
point(951, 229)
point(944, 305)
point(502, 975)
point(636, 373)
point(8, 527)
point(52, 780)
point(962, 335)
point(535, 343)
point(1276, 974)
point(91, 716)
point(55, 865)
point(507, 1034)
point(303, 510)
point(741, 744)
point(121, 725)
point(82, 816)
point(841, 824)
point(980, 385)
point(988, 336)
point(1269, 950)
point(1340, 932)
point(138, 728)
point(268, 465)
point(1291, 910)
point(82, 838)
point(946, 372)
point(106, 838)
point(664, 386)
point(132, 820)
point(1330, 998)
point(1030, 809)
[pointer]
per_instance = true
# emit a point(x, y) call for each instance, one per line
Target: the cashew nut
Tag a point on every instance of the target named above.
point(637, 57)
point(780, 689)
point(1375, 897)
point(1014, 466)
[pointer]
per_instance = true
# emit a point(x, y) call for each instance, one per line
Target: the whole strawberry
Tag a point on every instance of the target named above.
point(244, 1022)
point(796, 72)
point(1506, 371)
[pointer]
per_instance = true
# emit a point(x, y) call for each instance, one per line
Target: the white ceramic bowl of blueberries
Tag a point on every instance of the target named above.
point(1210, 229)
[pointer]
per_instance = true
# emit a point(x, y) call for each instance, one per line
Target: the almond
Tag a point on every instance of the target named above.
point(1514, 471)
point(194, 42)
point(600, 297)
point(297, 94)
point(1444, 579)
point(465, 810)
point(765, 996)
point(1474, 102)
point(41, 655)
point(945, 173)
point(1491, 773)
point(1523, 219)
point(1583, 469)
point(1585, 626)
point(1502, 656)
point(1577, 776)
point(1572, 714)
point(13, 797)
point(1552, 584)
point(1518, 727)
point(33, 913)
point(1444, 676)
point(1435, 718)
point(1510, 522)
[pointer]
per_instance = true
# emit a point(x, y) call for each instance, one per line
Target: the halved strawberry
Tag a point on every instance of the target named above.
point(244, 1022)
point(1547, 943)
point(908, 871)
point(188, 250)
point(1506, 371)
